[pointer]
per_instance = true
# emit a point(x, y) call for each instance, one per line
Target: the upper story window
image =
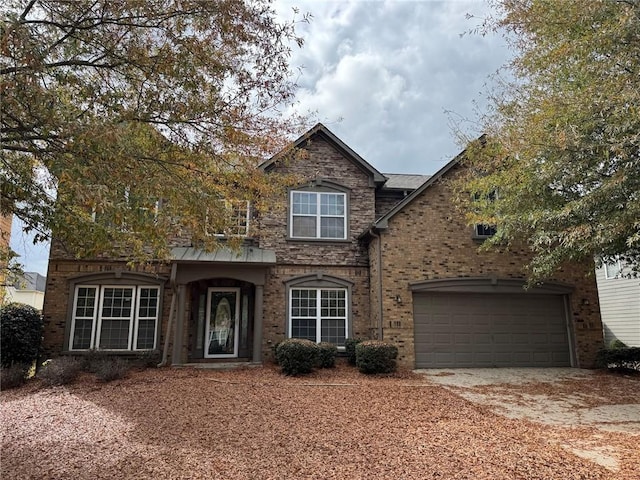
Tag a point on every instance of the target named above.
point(237, 215)
point(482, 230)
point(127, 210)
point(612, 270)
point(319, 215)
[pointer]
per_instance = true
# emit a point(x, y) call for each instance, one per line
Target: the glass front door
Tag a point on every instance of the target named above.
point(222, 321)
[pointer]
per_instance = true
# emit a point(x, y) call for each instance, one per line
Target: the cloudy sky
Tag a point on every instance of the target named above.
point(387, 77)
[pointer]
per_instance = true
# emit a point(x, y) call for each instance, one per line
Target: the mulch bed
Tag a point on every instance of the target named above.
point(257, 424)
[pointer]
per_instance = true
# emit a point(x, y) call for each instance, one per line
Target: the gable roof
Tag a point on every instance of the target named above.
point(383, 222)
point(323, 132)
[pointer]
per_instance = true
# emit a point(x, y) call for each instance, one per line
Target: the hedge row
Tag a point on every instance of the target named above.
point(298, 356)
point(619, 358)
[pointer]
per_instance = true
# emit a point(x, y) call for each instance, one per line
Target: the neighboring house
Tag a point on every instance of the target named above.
point(313, 267)
point(619, 304)
point(28, 289)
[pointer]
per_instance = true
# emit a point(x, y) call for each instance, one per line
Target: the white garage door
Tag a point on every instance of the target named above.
point(490, 330)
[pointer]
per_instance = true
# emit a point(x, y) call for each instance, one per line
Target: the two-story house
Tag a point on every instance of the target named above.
point(349, 252)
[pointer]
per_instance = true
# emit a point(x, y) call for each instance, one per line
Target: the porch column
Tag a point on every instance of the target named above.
point(257, 325)
point(176, 356)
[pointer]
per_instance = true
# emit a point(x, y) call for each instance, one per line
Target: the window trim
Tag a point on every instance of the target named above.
point(611, 264)
point(478, 235)
point(318, 187)
point(318, 314)
point(117, 279)
point(320, 281)
point(229, 204)
point(97, 319)
point(492, 196)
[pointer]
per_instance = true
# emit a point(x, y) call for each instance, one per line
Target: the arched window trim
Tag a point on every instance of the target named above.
point(138, 288)
point(321, 288)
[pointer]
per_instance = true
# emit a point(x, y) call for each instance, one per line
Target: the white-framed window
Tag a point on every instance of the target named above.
point(612, 270)
point(115, 317)
point(319, 215)
point(319, 314)
point(237, 219)
point(142, 209)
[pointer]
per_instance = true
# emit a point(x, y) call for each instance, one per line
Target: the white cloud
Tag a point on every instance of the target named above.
point(390, 70)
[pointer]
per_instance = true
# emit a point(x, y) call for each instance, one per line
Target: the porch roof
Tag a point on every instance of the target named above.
point(245, 255)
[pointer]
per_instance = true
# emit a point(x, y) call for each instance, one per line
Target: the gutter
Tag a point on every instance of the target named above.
point(174, 293)
point(380, 309)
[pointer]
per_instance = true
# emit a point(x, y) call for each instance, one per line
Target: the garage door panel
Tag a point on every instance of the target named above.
point(485, 330)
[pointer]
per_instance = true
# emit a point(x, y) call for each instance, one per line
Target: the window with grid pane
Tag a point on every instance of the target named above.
point(147, 318)
point(84, 316)
point(318, 215)
point(319, 314)
point(115, 317)
point(236, 220)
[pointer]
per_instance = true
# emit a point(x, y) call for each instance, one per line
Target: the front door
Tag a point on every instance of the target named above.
point(222, 322)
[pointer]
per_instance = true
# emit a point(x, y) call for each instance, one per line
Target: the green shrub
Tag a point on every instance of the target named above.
point(615, 344)
point(623, 359)
point(13, 376)
point(60, 370)
point(274, 350)
point(350, 348)
point(296, 356)
point(327, 353)
point(111, 368)
point(20, 334)
point(375, 356)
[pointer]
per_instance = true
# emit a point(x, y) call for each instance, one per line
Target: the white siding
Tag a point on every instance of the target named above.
point(620, 308)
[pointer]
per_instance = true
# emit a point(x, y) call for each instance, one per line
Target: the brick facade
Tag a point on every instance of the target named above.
point(428, 239)
point(424, 240)
point(347, 260)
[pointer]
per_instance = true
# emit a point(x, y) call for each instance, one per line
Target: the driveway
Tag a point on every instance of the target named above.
point(595, 401)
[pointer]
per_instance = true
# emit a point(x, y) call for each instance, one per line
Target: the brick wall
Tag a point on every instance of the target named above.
point(347, 260)
point(275, 305)
point(428, 239)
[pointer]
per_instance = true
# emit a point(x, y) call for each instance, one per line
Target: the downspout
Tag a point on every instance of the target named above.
point(380, 309)
point(174, 293)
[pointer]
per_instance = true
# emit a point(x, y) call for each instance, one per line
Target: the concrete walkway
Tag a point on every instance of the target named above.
point(562, 397)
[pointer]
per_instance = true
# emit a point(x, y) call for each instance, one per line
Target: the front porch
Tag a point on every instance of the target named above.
point(216, 313)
